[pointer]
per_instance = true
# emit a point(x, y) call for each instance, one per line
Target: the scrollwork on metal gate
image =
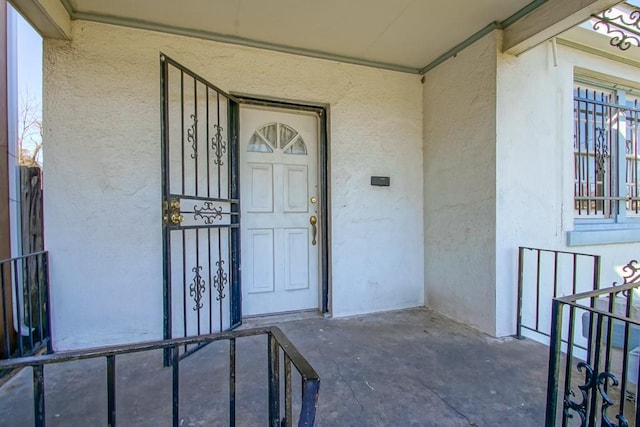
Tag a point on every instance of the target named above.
point(218, 145)
point(220, 280)
point(624, 30)
point(631, 272)
point(191, 136)
point(208, 212)
point(602, 151)
point(593, 382)
point(197, 288)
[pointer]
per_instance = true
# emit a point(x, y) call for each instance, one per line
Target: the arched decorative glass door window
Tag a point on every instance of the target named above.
point(277, 136)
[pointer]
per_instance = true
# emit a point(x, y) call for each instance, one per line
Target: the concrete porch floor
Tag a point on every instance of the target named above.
point(403, 368)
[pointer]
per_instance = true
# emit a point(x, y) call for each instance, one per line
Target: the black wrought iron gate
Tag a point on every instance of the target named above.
point(201, 215)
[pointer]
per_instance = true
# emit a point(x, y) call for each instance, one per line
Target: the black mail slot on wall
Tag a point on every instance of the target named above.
point(380, 181)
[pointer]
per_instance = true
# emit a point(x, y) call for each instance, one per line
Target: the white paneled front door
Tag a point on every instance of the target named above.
point(279, 206)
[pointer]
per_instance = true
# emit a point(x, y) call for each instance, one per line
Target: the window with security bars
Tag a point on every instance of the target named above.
point(606, 158)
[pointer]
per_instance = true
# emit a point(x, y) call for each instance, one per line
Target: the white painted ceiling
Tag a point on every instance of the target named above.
point(405, 33)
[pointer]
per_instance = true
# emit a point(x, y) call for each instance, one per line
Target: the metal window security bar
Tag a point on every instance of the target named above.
point(282, 358)
point(606, 155)
point(596, 384)
point(201, 214)
point(24, 305)
point(544, 274)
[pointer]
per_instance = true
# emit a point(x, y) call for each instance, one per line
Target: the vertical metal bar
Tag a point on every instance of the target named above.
point(324, 209)
point(596, 272)
point(288, 410)
point(166, 232)
point(184, 285)
point(574, 273)
point(47, 297)
point(41, 310)
point(310, 390)
point(577, 141)
point(588, 162)
point(538, 290)
point(520, 290)
point(28, 304)
point(6, 319)
point(220, 266)
point(609, 338)
point(235, 293)
point(569, 360)
point(175, 368)
point(210, 279)
point(232, 382)
point(625, 352)
point(38, 395)
point(219, 163)
point(17, 291)
point(195, 133)
point(274, 381)
point(208, 150)
point(197, 284)
point(591, 409)
point(182, 167)
point(618, 159)
point(111, 391)
point(555, 274)
point(196, 179)
point(182, 151)
point(635, 138)
point(207, 89)
point(554, 363)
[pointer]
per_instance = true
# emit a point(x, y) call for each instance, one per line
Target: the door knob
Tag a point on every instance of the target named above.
point(176, 218)
point(314, 229)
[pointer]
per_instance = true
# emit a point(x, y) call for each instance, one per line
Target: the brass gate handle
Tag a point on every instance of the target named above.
point(176, 218)
point(171, 212)
point(314, 230)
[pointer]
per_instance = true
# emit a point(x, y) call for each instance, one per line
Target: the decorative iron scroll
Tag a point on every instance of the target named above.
point(602, 151)
point(592, 383)
point(197, 288)
point(191, 136)
point(208, 212)
point(624, 30)
point(218, 145)
point(631, 272)
point(220, 280)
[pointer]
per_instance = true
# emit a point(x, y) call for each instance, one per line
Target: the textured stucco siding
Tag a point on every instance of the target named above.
point(535, 164)
point(459, 185)
point(102, 181)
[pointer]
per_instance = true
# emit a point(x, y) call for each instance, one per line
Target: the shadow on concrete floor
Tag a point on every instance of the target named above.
point(402, 368)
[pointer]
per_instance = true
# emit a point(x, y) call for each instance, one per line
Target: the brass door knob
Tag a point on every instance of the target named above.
point(176, 218)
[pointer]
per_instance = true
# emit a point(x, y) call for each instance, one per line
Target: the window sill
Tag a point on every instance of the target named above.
point(603, 237)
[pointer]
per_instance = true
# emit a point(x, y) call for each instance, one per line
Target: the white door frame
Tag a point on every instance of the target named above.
point(324, 219)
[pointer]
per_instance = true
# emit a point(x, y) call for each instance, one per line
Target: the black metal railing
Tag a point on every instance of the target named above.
point(280, 388)
point(24, 305)
point(544, 274)
point(594, 356)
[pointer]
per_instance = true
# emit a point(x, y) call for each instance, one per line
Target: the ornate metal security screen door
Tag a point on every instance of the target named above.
point(200, 205)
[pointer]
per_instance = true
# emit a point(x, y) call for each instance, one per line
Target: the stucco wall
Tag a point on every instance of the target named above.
point(102, 177)
point(459, 185)
point(535, 164)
